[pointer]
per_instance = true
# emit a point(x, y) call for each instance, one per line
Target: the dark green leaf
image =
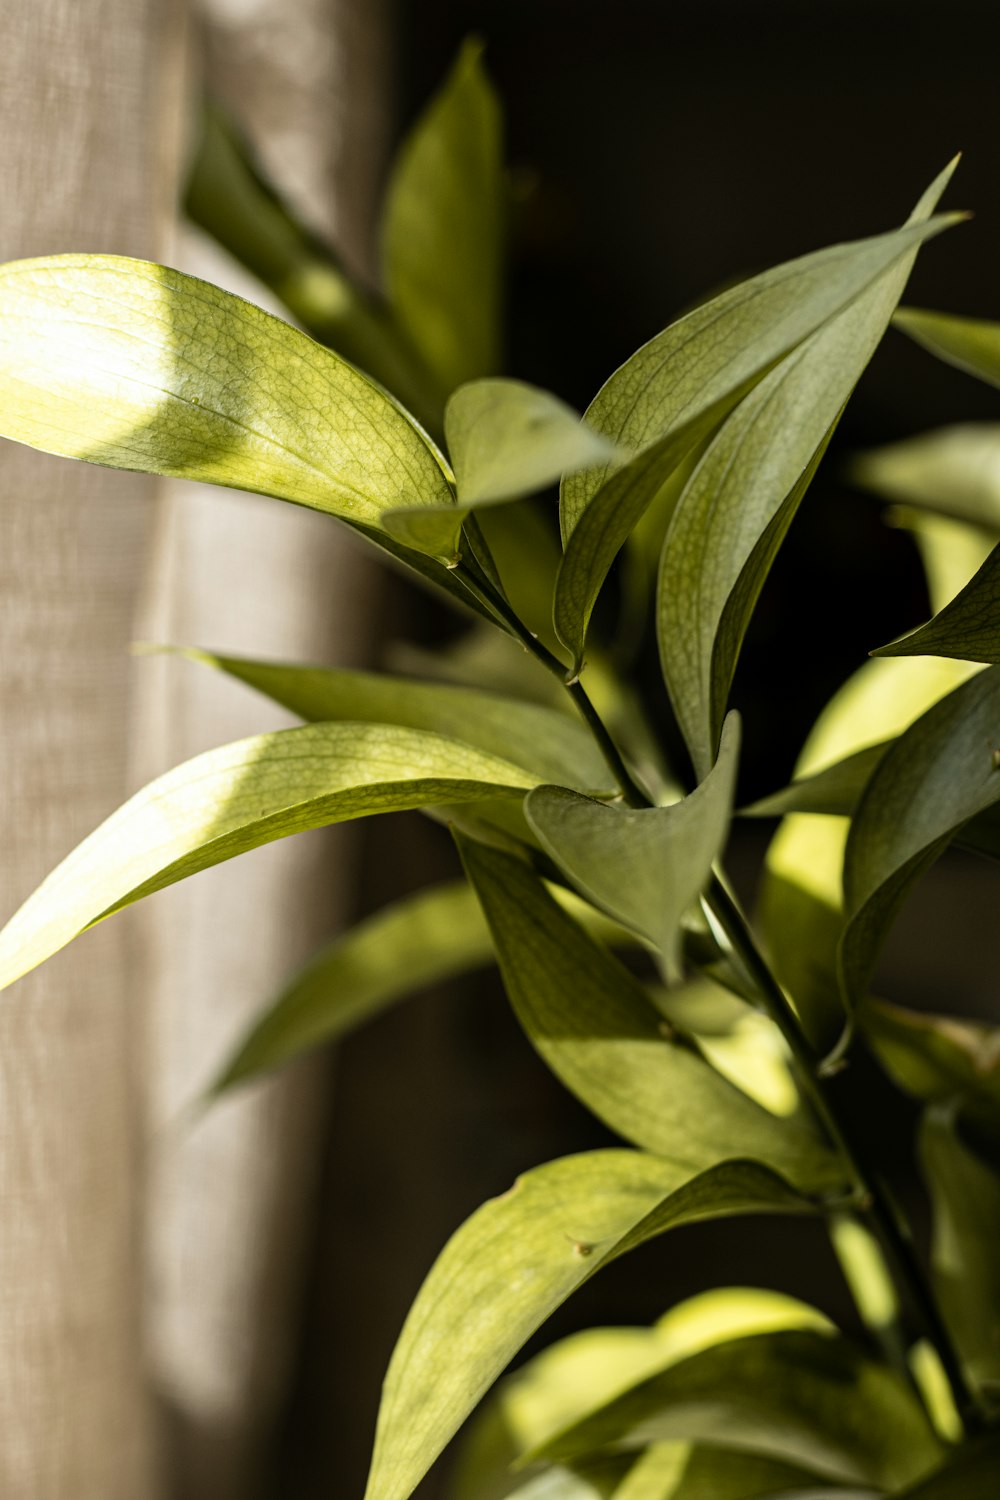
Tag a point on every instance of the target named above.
point(936, 777)
point(131, 365)
point(230, 800)
point(554, 743)
point(965, 1244)
point(971, 344)
point(676, 388)
point(643, 866)
point(595, 1027)
point(444, 225)
point(800, 1397)
point(742, 497)
point(513, 1263)
point(968, 628)
point(834, 790)
point(938, 1058)
point(972, 1474)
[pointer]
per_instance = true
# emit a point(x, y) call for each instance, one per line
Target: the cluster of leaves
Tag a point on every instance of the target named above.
point(577, 839)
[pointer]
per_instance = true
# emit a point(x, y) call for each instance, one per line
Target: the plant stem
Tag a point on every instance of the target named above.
point(873, 1198)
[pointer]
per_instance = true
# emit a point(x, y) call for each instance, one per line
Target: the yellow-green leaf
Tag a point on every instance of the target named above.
point(554, 743)
point(954, 470)
point(971, 344)
point(595, 1027)
point(444, 226)
point(230, 800)
point(132, 365)
point(513, 1263)
point(643, 866)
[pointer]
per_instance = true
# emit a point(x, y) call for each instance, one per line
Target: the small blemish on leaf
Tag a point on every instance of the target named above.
point(581, 1248)
point(668, 1032)
point(996, 760)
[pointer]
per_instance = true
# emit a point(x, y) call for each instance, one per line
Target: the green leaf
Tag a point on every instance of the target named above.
point(554, 743)
point(643, 866)
point(444, 224)
point(506, 440)
point(132, 365)
point(936, 777)
point(938, 1058)
point(513, 1263)
point(965, 1203)
point(955, 470)
point(800, 1397)
point(597, 1480)
point(971, 344)
point(968, 628)
point(740, 501)
point(230, 800)
point(594, 1026)
point(835, 790)
point(420, 940)
point(676, 388)
point(972, 1474)
point(678, 1471)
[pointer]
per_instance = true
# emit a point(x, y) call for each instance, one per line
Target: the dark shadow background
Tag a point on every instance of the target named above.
point(670, 148)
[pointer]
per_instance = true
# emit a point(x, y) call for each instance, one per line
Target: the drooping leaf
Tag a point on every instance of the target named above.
point(800, 1397)
point(968, 628)
point(737, 507)
point(554, 743)
point(936, 777)
point(135, 366)
point(234, 799)
point(971, 344)
point(939, 1059)
point(954, 471)
point(834, 790)
point(229, 196)
point(513, 1263)
point(444, 224)
point(676, 388)
point(506, 440)
point(965, 1204)
point(594, 1026)
point(643, 866)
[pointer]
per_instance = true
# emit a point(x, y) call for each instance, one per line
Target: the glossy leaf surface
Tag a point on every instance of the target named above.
point(513, 1263)
point(231, 800)
point(801, 1397)
point(554, 743)
point(443, 227)
point(932, 781)
point(676, 388)
point(643, 866)
point(594, 1026)
point(132, 365)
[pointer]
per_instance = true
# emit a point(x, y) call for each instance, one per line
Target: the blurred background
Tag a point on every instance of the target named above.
point(202, 1306)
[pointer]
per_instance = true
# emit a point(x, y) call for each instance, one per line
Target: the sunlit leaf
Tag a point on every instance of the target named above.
point(936, 777)
point(512, 1264)
point(954, 470)
point(643, 866)
point(443, 227)
point(506, 440)
point(802, 1397)
point(971, 344)
point(129, 364)
point(594, 1026)
point(737, 506)
point(230, 800)
point(968, 628)
point(554, 743)
point(675, 389)
point(965, 1203)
